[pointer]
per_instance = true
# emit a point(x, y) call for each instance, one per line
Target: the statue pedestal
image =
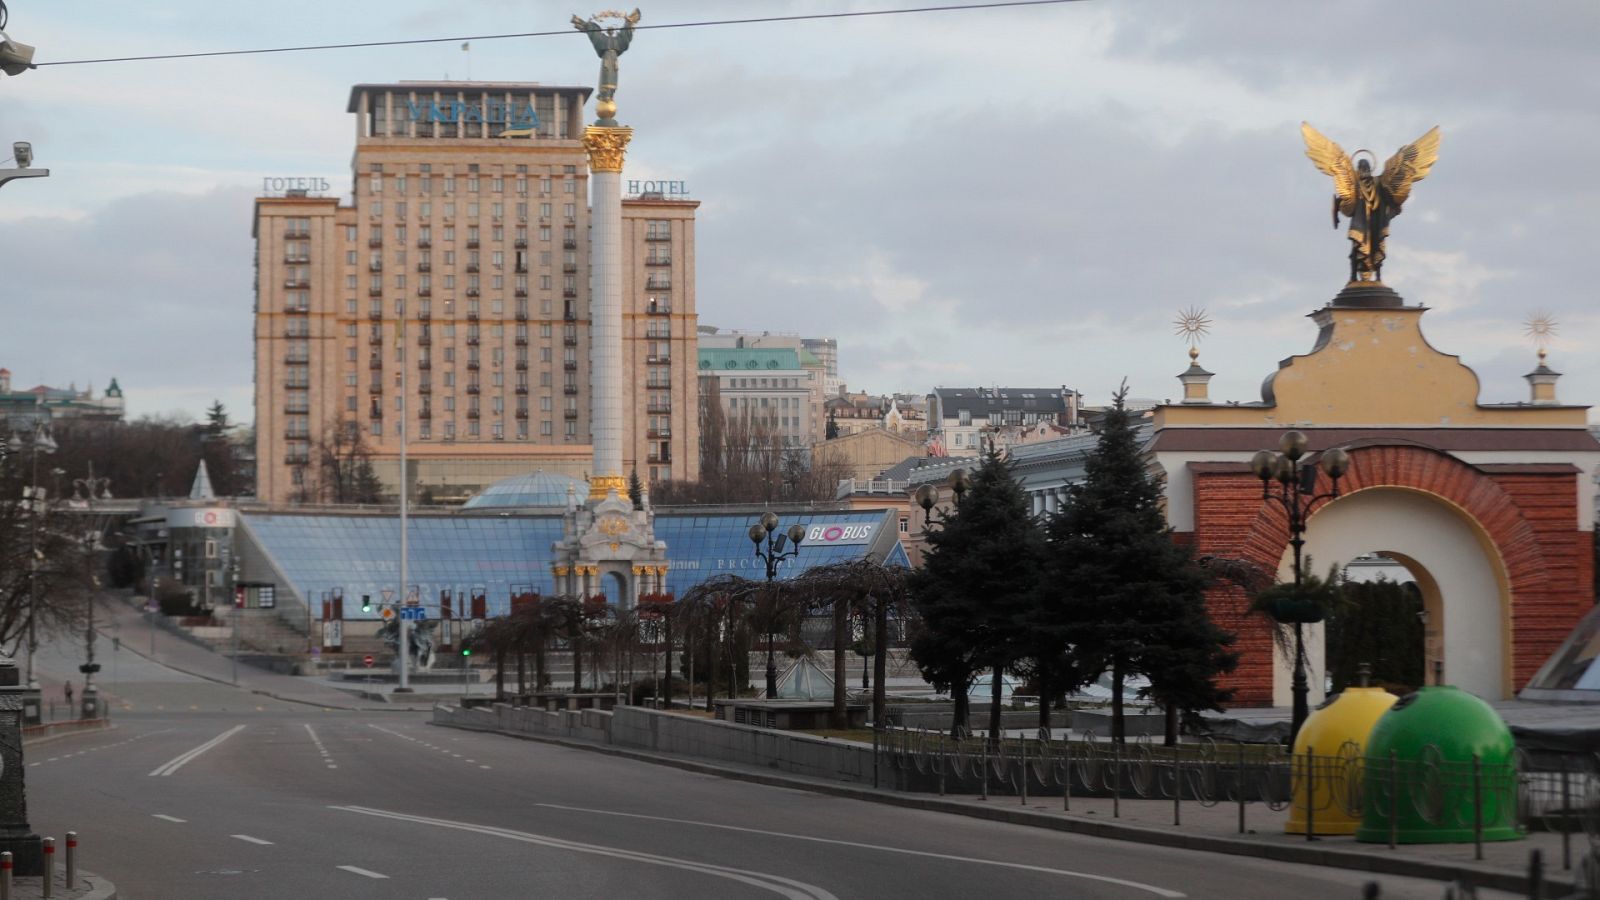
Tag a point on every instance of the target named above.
point(1367, 295)
point(27, 850)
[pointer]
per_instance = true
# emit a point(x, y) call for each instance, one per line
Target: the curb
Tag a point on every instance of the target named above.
point(47, 737)
point(103, 889)
point(1481, 877)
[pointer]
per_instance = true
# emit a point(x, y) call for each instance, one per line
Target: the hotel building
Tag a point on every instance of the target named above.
point(452, 294)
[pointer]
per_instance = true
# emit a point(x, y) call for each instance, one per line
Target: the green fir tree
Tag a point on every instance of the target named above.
point(975, 588)
point(1127, 598)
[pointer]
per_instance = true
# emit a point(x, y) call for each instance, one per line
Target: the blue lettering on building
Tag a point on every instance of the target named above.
point(514, 116)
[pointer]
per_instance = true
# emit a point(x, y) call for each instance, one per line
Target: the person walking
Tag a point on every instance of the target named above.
point(69, 694)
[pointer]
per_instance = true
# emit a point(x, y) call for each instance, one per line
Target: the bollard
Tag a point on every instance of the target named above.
point(1177, 786)
point(944, 762)
point(1238, 786)
point(1394, 799)
point(1477, 807)
point(1022, 781)
point(1535, 875)
point(1370, 891)
point(983, 763)
point(874, 756)
point(1116, 780)
point(5, 875)
point(1311, 792)
point(49, 868)
point(1566, 818)
point(1066, 782)
point(72, 860)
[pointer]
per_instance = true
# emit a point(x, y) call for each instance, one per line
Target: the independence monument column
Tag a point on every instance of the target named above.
point(607, 142)
point(608, 548)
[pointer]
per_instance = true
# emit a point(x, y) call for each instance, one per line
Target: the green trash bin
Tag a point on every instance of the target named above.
point(1421, 782)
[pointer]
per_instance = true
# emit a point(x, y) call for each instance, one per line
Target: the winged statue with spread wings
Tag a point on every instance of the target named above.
point(1369, 200)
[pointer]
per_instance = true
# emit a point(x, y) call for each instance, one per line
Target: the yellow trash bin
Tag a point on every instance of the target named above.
point(1337, 733)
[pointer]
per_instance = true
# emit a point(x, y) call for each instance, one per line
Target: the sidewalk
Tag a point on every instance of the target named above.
point(89, 887)
point(1212, 829)
point(136, 631)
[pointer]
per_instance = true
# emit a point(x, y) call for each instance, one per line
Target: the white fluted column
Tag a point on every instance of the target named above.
point(606, 148)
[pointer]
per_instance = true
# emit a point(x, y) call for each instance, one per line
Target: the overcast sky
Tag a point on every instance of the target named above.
point(1008, 196)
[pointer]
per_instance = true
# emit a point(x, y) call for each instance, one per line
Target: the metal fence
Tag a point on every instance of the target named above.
point(1557, 794)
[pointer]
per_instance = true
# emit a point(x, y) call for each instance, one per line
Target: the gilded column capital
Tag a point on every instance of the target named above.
point(601, 485)
point(606, 147)
point(561, 571)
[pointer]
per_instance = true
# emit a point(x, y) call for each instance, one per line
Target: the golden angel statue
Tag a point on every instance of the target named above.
point(1370, 201)
point(609, 43)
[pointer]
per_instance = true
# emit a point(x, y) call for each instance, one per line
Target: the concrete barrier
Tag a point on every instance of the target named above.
point(664, 732)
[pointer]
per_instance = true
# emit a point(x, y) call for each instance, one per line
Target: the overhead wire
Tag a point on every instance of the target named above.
point(706, 23)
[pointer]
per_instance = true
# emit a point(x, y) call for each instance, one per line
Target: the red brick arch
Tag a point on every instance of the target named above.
point(1526, 512)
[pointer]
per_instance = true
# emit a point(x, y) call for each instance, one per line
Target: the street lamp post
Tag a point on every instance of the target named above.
point(238, 610)
point(89, 488)
point(1296, 477)
point(770, 549)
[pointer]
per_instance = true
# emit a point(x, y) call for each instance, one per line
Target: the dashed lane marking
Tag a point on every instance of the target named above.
point(425, 745)
point(167, 818)
point(321, 750)
point(251, 840)
point(356, 870)
point(100, 747)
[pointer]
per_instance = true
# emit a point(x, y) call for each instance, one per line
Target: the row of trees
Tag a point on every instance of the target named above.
point(48, 554)
point(1101, 588)
point(148, 457)
point(707, 635)
point(747, 459)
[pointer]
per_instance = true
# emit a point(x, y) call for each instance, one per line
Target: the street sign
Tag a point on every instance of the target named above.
point(388, 594)
point(368, 660)
point(387, 613)
point(413, 613)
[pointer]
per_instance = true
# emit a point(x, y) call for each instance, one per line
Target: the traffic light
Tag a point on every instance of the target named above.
point(466, 651)
point(366, 603)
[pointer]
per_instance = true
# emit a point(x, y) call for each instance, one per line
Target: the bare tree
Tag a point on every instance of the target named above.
point(747, 459)
point(344, 465)
point(867, 586)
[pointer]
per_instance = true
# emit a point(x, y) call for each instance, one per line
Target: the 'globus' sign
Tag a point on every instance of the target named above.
point(824, 533)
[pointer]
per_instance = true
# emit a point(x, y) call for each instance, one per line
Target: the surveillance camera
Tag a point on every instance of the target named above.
point(15, 57)
point(23, 151)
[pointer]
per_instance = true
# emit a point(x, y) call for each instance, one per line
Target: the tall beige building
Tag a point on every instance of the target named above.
point(453, 295)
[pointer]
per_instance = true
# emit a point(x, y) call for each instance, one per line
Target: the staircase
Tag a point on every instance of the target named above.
point(260, 631)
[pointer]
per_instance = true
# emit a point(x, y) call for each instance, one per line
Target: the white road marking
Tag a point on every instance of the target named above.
point(785, 887)
point(328, 760)
point(184, 759)
point(251, 840)
point(168, 818)
point(360, 871)
point(1107, 879)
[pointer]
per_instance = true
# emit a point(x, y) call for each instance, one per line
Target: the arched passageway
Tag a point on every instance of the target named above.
point(1460, 574)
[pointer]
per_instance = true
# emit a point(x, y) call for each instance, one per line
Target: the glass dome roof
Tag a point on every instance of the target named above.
point(535, 489)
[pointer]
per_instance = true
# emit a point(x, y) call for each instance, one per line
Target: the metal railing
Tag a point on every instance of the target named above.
point(1558, 795)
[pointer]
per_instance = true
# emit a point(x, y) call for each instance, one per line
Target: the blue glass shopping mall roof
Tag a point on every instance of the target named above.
point(505, 554)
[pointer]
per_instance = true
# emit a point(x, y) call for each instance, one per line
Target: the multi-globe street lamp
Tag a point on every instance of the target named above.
point(770, 549)
point(927, 495)
point(1296, 478)
point(88, 490)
